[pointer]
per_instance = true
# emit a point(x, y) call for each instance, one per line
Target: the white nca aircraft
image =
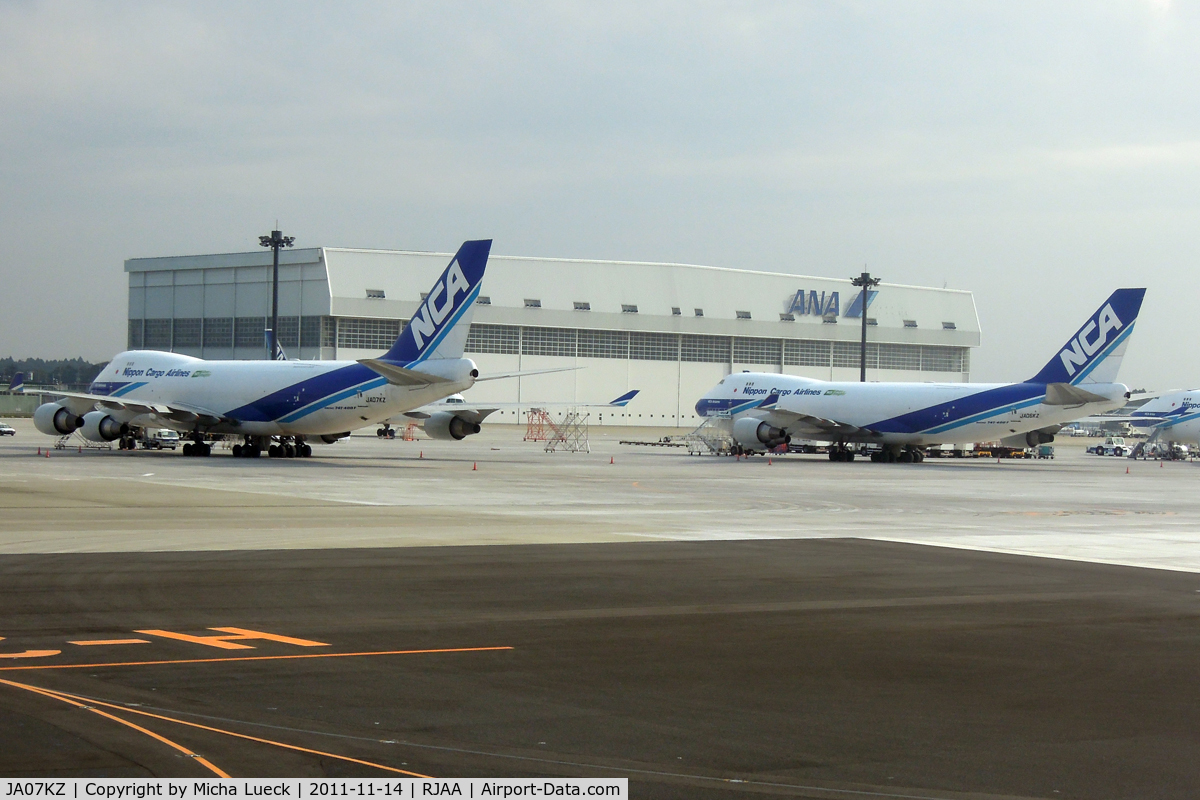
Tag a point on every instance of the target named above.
point(766, 410)
point(288, 402)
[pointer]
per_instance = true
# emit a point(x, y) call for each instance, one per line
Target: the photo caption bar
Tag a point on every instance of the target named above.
point(189, 788)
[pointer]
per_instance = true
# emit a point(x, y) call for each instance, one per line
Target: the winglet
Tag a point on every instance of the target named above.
point(769, 401)
point(18, 383)
point(624, 399)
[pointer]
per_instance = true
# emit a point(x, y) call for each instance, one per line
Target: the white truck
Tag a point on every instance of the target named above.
point(160, 439)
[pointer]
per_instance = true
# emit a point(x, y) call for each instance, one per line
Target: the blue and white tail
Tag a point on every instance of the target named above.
point(624, 399)
point(1094, 353)
point(439, 327)
point(18, 383)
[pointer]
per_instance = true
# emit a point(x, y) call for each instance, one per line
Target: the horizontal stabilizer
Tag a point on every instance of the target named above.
point(1065, 394)
point(500, 375)
point(400, 376)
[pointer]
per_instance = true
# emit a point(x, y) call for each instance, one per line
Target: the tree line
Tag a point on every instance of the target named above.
point(62, 371)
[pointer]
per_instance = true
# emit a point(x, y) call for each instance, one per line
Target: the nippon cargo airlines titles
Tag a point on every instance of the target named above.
point(764, 410)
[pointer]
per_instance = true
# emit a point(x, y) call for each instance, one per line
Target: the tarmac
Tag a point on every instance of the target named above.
point(704, 626)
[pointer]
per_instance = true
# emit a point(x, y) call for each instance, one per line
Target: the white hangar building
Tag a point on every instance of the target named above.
point(670, 330)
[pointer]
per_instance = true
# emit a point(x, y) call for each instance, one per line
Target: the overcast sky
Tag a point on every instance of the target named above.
point(1038, 154)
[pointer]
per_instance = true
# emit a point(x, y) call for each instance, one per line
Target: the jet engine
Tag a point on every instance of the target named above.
point(98, 426)
point(445, 425)
point(1034, 438)
point(754, 434)
point(330, 438)
point(55, 419)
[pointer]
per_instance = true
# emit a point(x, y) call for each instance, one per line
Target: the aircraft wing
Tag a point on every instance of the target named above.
point(478, 414)
point(818, 426)
point(497, 376)
point(176, 412)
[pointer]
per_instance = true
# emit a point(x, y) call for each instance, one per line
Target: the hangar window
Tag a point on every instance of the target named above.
point(628, 309)
point(654, 346)
point(248, 332)
point(377, 294)
point(910, 323)
point(743, 315)
point(872, 321)
point(186, 333)
point(532, 303)
point(423, 296)
point(847, 354)
point(367, 334)
point(135, 334)
point(830, 320)
point(157, 334)
point(757, 351)
point(218, 332)
point(949, 326)
point(699, 312)
point(582, 306)
point(787, 317)
point(310, 331)
point(804, 353)
point(289, 332)
point(941, 359)
point(502, 339)
point(483, 300)
point(675, 312)
point(899, 356)
point(548, 342)
point(328, 332)
point(603, 344)
point(709, 349)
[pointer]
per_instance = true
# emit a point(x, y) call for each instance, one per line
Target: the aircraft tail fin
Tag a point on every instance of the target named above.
point(624, 399)
point(1094, 353)
point(439, 327)
point(18, 383)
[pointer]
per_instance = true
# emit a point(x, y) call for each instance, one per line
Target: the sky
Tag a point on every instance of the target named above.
point(1037, 154)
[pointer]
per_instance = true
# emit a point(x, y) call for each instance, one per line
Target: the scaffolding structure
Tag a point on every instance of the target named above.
point(570, 434)
point(410, 432)
point(710, 437)
point(538, 425)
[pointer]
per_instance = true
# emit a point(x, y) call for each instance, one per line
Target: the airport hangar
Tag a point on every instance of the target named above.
point(669, 330)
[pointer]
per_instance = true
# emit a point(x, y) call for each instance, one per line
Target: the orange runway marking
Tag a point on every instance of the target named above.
point(73, 697)
point(86, 642)
point(234, 635)
point(71, 700)
point(257, 658)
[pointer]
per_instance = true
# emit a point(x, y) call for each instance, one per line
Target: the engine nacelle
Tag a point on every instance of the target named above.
point(55, 419)
point(98, 426)
point(330, 438)
point(1034, 438)
point(445, 425)
point(754, 434)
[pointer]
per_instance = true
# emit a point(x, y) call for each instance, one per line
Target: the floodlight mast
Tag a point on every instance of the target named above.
point(275, 241)
point(866, 282)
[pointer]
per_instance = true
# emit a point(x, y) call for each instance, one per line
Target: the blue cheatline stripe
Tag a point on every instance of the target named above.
point(1172, 421)
point(1104, 354)
point(333, 398)
point(432, 344)
point(128, 389)
point(976, 417)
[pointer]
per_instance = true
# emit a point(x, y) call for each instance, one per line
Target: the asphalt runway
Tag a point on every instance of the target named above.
point(703, 627)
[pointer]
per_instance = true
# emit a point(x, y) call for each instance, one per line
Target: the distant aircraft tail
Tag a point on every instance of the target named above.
point(624, 399)
point(1094, 353)
point(438, 329)
point(18, 383)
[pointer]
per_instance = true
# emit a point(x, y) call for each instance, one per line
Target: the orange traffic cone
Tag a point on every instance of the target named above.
point(611, 459)
point(1127, 470)
point(422, 454)
point(39, 451)
point(474, 466)
point(47, 452)
point(768, 462)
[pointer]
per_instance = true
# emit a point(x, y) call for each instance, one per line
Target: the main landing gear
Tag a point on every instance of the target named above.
point(290, 447)
point(898, 455)
point(251, 448)
point(841, 453)
point(197, 446)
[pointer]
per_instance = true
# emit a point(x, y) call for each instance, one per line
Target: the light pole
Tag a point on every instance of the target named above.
point(866, 282)
point(275, 241)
